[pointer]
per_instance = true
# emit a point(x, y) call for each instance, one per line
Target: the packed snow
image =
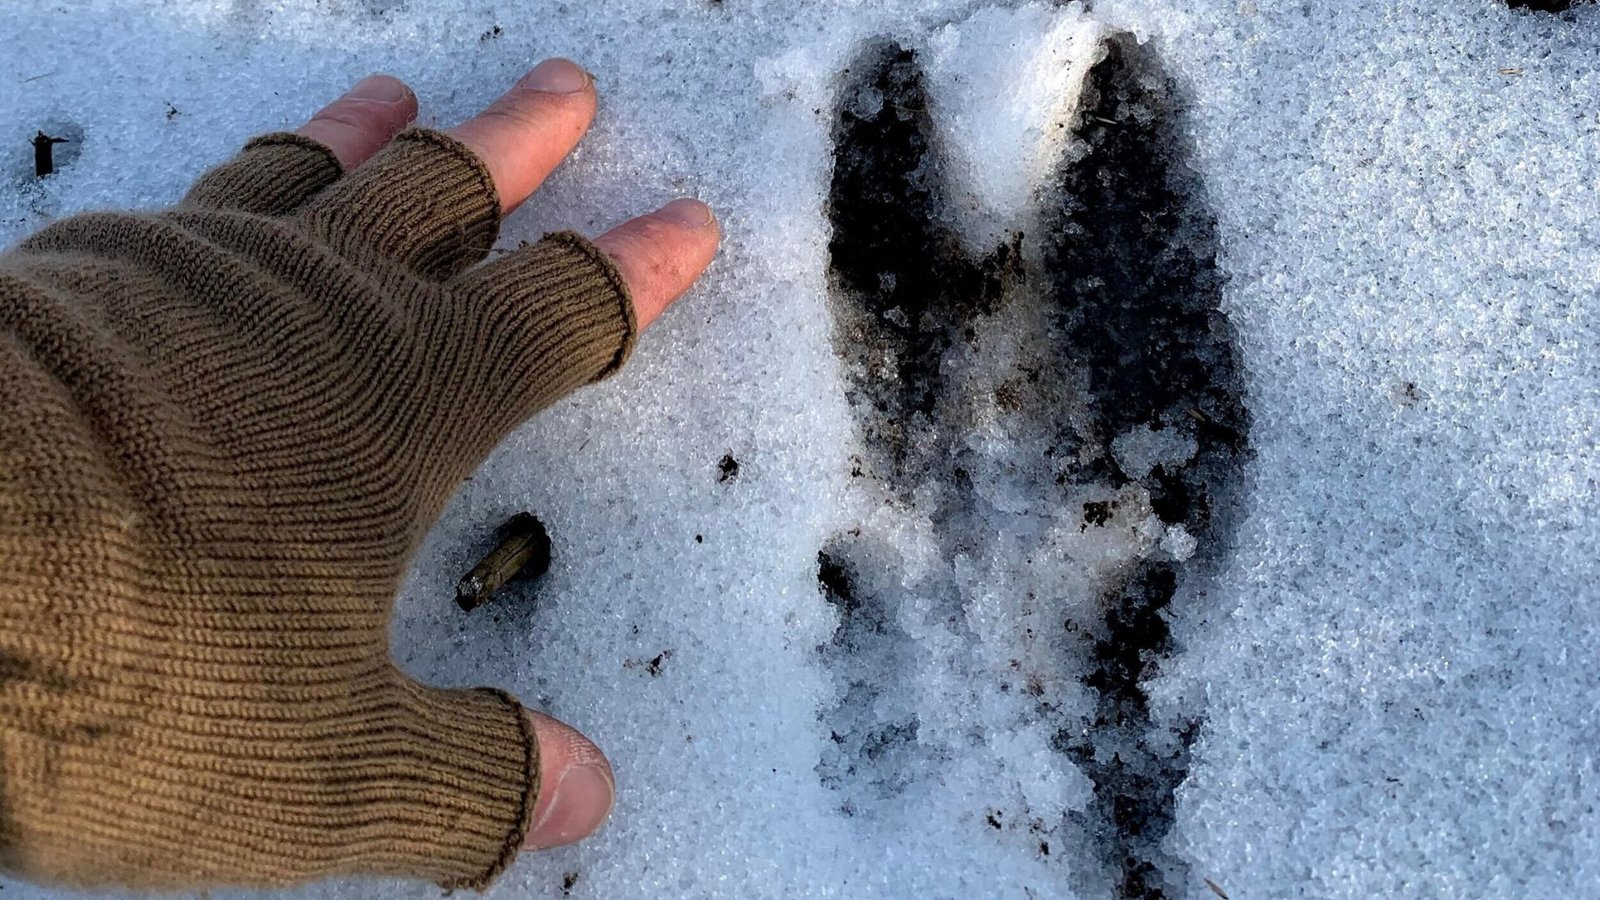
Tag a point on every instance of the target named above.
point(881, 654)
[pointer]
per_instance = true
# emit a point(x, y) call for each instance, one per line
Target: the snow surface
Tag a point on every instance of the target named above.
point(1394, 659)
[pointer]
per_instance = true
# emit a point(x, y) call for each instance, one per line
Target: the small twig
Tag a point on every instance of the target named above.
point(523, 551)
point(44, 161)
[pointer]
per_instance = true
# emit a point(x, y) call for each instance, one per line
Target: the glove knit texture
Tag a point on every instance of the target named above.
point(224, 430)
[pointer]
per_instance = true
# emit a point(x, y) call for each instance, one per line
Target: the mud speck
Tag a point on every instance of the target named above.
point(1541, 5)
point(652, 665)
point(1098, 512)
point(833, 576)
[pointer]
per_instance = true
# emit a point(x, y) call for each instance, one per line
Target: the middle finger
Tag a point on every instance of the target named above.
point(525, 134)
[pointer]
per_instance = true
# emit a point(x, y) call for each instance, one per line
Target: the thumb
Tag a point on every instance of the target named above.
point(577, 789)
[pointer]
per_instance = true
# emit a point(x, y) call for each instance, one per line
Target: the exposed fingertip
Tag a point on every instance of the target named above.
point(557, 76)
point(662, 254)
point(530, 129)
point(382, 89)
point(689, 212)
point(577, 788)
point(363, 119)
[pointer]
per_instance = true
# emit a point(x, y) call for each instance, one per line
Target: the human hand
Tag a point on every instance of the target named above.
point(237, 419)
point(522, 138)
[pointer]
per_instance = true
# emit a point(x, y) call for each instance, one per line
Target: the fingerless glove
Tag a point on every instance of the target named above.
point(224, 430)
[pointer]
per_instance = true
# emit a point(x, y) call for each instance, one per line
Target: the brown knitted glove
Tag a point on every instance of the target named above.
point(224, 430)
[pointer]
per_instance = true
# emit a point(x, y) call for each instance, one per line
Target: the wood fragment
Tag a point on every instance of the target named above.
point(523, 552)
point(1215, 889)
point(44, 154)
